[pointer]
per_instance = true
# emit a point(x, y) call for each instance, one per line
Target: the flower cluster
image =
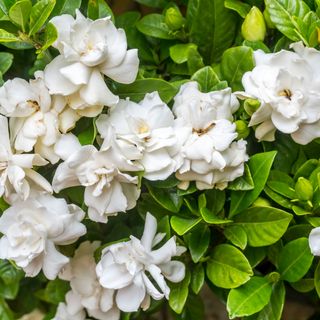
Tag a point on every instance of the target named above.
point(288, 88)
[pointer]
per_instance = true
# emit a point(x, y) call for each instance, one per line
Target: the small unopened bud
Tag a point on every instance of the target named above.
point(254, 27)
point(251, 106)
point(267, 19)
point(242, 129)
point(304, 189)
point(174, 19)
point(261, 202)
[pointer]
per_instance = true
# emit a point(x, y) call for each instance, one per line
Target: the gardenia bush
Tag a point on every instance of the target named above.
point(143, 157)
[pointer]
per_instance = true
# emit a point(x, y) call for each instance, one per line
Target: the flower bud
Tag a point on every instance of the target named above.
point(242, 129)
point(304, 189)
point(254, 27)
point(267, 19)
point(261, 202)
point(174, 19)
point(251, 106)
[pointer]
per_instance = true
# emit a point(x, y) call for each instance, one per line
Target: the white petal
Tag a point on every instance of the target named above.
point(129, 298)
point(77, 73)
point(314, 241)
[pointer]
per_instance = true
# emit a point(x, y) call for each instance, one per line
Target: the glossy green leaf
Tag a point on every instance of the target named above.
point(209, 217)
point(6, 36)
point(50, 36)
point(98, 9)
point(154, 25)
point(303, 285)
point(179, 294)
point(88, 136)
point(244, 182)
point(255, 255)
point(6, 60)
point(236, 235)
point(240, 7)
point(228, 267)
point(5, 312)
point(273, 310)
point(179, 52)
point(199, 242)
point(263, 225)
point(282, 188)
point(183, 225)
point(306, 169)
point(282, 201)
point(19, 13)
point(65, 7)
point(260, 165)
point(250, 298)
point(295, 260)
point(197, 278)
point(283, 13)
point(206, 78)
point(154, 3)
point(235, 62)
point(39, 14)
point(137, 90)
point(212, 27)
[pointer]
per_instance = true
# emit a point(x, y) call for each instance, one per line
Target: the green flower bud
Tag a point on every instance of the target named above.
point(174, 19)
point(254, 27)
point(242, 129)
point(261, 202)
point(251, 106)
point(267, 19)
point(304, 189)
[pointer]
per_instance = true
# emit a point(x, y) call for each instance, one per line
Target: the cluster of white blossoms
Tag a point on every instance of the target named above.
point(125, 277)
point(288, 88)
point(196, 141)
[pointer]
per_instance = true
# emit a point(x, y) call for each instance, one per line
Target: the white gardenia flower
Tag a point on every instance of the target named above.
point(71, 310)
point(33, 120)
point(88, 51)
point(314, 241)
point(144, 132)
point(131, 268)
point(86, 290)
point(108, 190)
point(287, 85)
point(31, 230)
point(209, 155)
point(16, 170)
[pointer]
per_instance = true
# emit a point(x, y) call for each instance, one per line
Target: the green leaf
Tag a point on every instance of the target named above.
point(50, 36)
point(5, 312)
point(303, 285)
point(235, 62)
point(283, 13)
point(40, 12)
point(255, 255)
point(154, 25)
point(244, 182)
point(197, 278)
point(6, 36)
point(306, 169)
point(228, 267)
point(259, 165)
point(167, 198)
point(65, 7)
point(137, 90)
point(5, 5)
point(206, 78)
point(295, 260)
point(88, 136)
point(263, 225)
point(199, 242)
point(98, 9)
point(55, 291)
point(282, 188)
point(183, 225)
point(209, 217)
point(19, 13)
point(6, 60)
point(273, 310)
point(282, 201)
point(212, 27)
point(240, 7)
point(236, 235)
point(179, 293)
point(249, 298)
point(195, 61)
point(179, 52)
